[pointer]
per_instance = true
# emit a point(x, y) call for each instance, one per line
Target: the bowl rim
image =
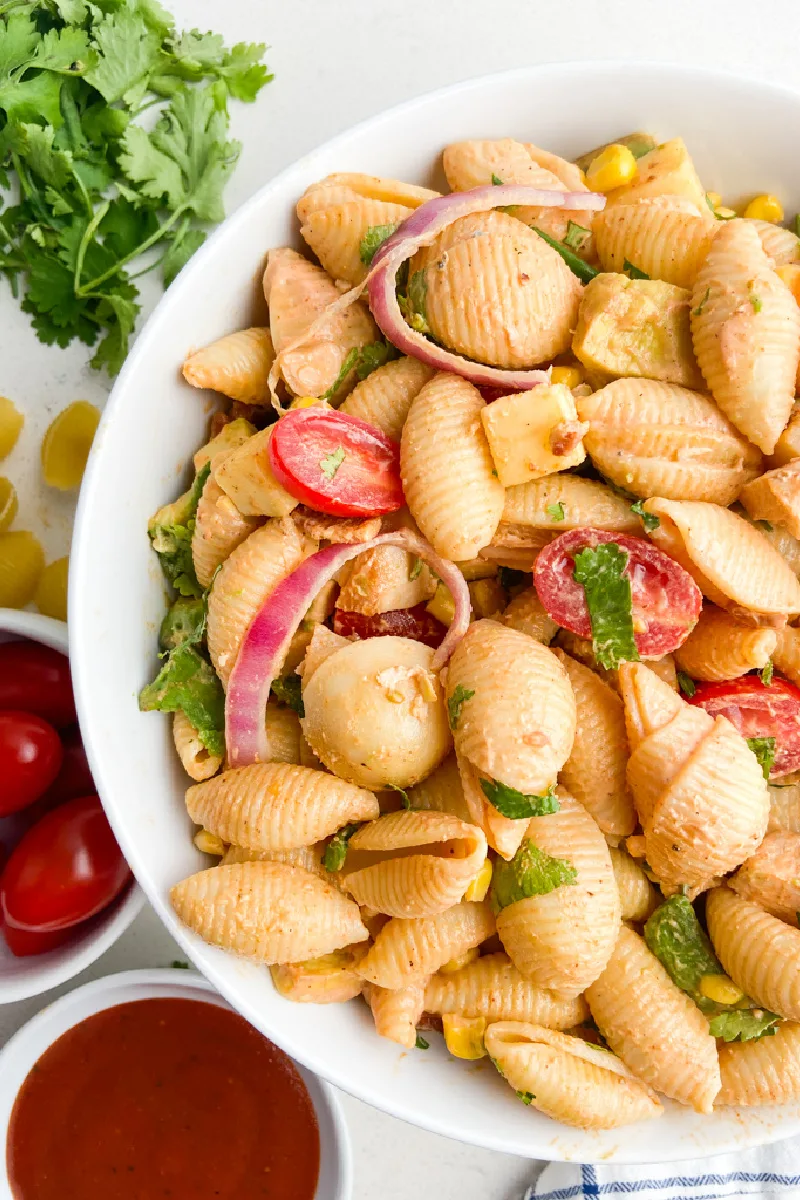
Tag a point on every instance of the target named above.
point(26, 1046)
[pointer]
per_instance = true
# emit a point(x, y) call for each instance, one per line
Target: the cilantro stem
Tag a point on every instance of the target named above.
point(86, 288)
point(88, 234)
point(31, 192)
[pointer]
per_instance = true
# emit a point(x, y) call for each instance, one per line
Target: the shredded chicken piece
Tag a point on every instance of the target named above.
point(347, 530)
point(566, 435)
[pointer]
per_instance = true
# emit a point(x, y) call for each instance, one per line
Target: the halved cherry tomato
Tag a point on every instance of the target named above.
point(23, 943)
point(665, 600)
point(758, 711)
point(74, 778)
point(30, 758)
point(335, 463)
point(66, 868)
point(36, 679)
point(415, 623)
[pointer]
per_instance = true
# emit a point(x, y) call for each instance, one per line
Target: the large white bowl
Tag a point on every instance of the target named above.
point(743, 137)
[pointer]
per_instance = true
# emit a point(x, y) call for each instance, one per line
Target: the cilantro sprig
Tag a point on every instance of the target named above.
point(511, 803)
point(601, 572)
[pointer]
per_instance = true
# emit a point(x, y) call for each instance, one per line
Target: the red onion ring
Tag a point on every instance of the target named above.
point(267, 639)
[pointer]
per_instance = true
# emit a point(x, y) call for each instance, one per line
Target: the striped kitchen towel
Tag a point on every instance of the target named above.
point(768, 1171)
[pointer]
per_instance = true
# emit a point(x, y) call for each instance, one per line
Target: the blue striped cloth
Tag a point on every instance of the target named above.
point(769, 1172)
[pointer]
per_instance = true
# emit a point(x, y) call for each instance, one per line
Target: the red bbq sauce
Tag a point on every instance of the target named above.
point(163, 1098)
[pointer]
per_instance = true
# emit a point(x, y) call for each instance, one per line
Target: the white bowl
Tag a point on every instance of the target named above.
point(23, 977)
point(743, 138)
point(29, 1043)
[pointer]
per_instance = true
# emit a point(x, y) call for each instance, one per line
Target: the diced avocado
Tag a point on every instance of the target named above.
point(184, 622)
point(665, 171)
point(532, 434)
point(638, 144)
point(229, 437)
point(171, 530)
point(245, 475)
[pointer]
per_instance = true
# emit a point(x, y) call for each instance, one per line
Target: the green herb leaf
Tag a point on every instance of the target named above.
point(600, 570)
point(496, 180)
point(708, 202)
point(188, 683)
point(184, 623)
point(456, 702)
point(511, 803)
point(421, 1044)
point(414, 569)
point(127, 52)
point(686, 684)
point(526, 1097)
point(576, 235)
point(180, 251)
point(413, 302)
point(767, 672)
point(649, 520)
point(330, 464)
point(633, 272)
point(755, 302)
point(696, 311)
point(764, 750)
point(286, 690)
point(556, 511)
point(582, 269)
point(531, 872)
point(336, 850)
point(743, 1025)
point(403, 794)
point(372, 356)
point(375, 236)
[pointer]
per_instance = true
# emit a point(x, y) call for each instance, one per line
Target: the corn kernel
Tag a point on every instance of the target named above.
point(8, 503)
point(790, 274)
point(765, 208)
point(441, 606)
point(11, 422)
point(463, 960)
point(571, 376)
point(21, 562)
point(463, 1036)
point(208, 842)
point(308, 402)
point(487, 596)
point(66, 445)
point(51, 592)
point(714, 199)
point(480, 885)
point(614, 167)
point(720, 989)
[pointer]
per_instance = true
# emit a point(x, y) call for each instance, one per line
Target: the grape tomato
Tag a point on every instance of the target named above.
point(758, 711)
point(30, 758)
point(36, 679)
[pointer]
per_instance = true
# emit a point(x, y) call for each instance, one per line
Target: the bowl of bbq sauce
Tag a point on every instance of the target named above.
point(147, 1086)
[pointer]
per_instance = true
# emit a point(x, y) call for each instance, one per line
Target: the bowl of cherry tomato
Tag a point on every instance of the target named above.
point(66, 892)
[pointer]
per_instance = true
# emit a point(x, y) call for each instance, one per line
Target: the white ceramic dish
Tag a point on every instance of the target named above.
point(19, 1055)
point(23, 977)
point(742, 136)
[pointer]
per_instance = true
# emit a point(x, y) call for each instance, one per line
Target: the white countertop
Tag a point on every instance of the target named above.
point(336, 62)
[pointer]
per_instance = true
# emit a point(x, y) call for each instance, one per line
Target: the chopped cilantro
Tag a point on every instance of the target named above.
point(330, 464)
point(709, 203)
point(556, 511)
point(743, 1024)
point(764, 750)
point(336, 850)
point(755, 301)
point(403, 794)
point(415, 569)
point(412, 303)
point(496, 180)
point(188, 683)
point(363, 360)
point(697, 311)
point(526, 1097)
point(375, 236)
point(583, 270)
point(286, 690)
point(633, 272)
point(421, 1044)
point(767, 673)
point(649, 520)
point(456, 702)
point(576, 235)
point(600, 571)
point(531, 872)
point(511, 803)
point(686, 684)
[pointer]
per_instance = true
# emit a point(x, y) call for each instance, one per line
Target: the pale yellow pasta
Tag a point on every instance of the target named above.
point(533, 507)
point(413, 864)
point(760, 952)
point(775, 497)
point(322, 644)
point(562, 940)
point(699, 790)
point(787, 546)
point(746, 331)
point(657, 1031)
point(771, 878)
point(396, 1012)
point(198, 762)
point(595, 771)
point(408, 951)
point(232, 434)
point(720, 647)
point(567, 1078)
point(329, 979)
point(308, 857)
point(657, 439)
point(246, 477)
point(334, 232)
point(492, 987)
point(385, 396)
point(246, 579)
point(784, 805)
point(637, 896)
point(219, 529)
point(237, 365)
point(519, 736)
point(283, 733)
point(441, 791)
point(385, 578)
point(729, 560)
point(504, 834)
point(664, 242)
point(787, 446)
point(375, 712)
point(277, 806)
point(447, 470)
point(343, 531)
point(782, 245)
point(527, 614)
point(766, 1071)
point(350, 185)
point(268, 912)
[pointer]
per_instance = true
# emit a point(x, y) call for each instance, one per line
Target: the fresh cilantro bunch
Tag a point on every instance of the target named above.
point(88, 188)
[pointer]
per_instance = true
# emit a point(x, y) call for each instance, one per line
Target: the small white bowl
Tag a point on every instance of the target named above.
point(28, 1045)
point(23, 977)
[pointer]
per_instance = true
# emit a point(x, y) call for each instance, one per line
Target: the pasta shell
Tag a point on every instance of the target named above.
point(198, 762)
point(760, 953)
point(238, 365)
point(762, 1072)
point(384, 398)
point(330, 979)
point(664, 242)
point(219, 529)
point(781, 540)
point(396, 1013)
point(781, 245)
point(664, 174)
point(493, 988)
point(438, 857)
point(771, 878)
point(232, 435)
point(520, 737)
point(784, 805)
point(527, 614)
point(583, 501)
point(447, 470)
point(442, 792)
point(268, 912)
point(719, 647)
point(334, 233)
point(729, 560)
point(775, 497)
point(307, 857)
point(562, 940)
point(638, 898)
point(283, 733)
point(657, 1031)
point(787, 446)
point(657, 439)
point(277, 806)
point(408, 951)
point(568, 1079)
point(381, 580)
point(350, 185)
point(746, 331)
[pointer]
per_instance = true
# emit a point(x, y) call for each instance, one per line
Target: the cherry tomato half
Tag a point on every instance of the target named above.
point(36, 679)
point(415, 623)
point(74, 778)
point(665, 600)
point(66, 868)
point(335, 463)
point(22, 943)
point(758, 711)
point(30, 758)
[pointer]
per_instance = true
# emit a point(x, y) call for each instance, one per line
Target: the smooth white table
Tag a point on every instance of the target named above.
point(337, 62)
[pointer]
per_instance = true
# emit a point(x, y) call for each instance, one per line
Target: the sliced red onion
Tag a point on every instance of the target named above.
point(420, 229)
point(267, 640)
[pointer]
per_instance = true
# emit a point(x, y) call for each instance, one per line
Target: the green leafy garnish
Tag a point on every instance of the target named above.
point(375, 236)
point(188, 683)
point(414, 569)
point(496, 180)
point(709, 203)
point(286, 690)
point(393, 787)
point(330, 464)
point(363, 360)
point(171, 537)
point(556, 511)
point(649, 520)
point(526, 1097)
point(511, 803)
point(456, 702)
point(421, 1044)
point(755, 302)
point(633, 272)
point(531, 872)
point(413, 302)
point(696, 311)
point(686, 684)
point(184, 622)
point(743, 1024)
point(336, 850)
point(767, 672)
point(582, 269)
point(764, 750)
point(576, 235)
point(600, 571)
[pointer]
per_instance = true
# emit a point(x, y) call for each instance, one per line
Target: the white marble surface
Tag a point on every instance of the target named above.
point(336, 62)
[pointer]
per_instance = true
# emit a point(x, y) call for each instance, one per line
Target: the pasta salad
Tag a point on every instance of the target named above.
point(484, 652)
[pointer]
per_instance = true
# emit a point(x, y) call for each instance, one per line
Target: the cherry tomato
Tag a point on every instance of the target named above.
point(23, 943)
point(30, 759)
point(665, 600)
point(66, 868)
point(415, 623)
point(758, 711)
point(335, 463)
point(74, 778)
point(36, 679)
